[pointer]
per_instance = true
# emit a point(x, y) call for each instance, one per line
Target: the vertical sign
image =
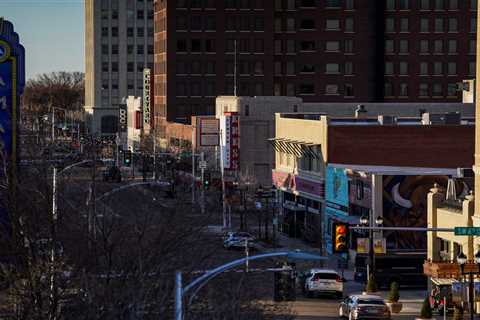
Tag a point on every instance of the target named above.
point(146, 99)
point(230, 141)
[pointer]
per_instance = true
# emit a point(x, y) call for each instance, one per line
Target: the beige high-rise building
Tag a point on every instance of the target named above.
point(118, 46)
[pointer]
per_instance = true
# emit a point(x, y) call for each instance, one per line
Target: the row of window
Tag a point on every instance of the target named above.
point(114, 67)
point(113, 14)
point(212, 4)
point(438, 46)
point(291, 89)
point(291, 46)
point(209, 89)
point(130, 49)
point(439, 25)
point(209, 67)
point(290, 24)
point(209, 23)
point(329, 4)
point(436, 68)
point(392, 5)
point(424, 90)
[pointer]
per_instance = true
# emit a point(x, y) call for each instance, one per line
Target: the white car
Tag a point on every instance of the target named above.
point(324, 281)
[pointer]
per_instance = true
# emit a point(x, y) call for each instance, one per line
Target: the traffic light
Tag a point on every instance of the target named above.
point(340, 237)
point(206, 180)
point(127, 158)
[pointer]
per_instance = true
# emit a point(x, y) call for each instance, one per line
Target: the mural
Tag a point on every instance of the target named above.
point(405, 204)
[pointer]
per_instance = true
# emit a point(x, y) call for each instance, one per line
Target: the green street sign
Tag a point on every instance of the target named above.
point(467, 231)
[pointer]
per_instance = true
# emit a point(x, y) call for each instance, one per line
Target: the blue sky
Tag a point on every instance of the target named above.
point(52, 32)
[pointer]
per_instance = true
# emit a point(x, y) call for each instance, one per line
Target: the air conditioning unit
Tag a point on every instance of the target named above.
point(465, 173)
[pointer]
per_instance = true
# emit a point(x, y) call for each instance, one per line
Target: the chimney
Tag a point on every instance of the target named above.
point(360, 112)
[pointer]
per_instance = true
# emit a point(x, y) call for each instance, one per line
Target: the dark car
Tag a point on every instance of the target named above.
point(112, 174)
point(357, 307)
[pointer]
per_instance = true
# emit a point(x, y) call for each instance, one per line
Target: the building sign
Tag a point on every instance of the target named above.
point(281, 179)
point(146, 98)
point(122, 118)
point(208, 133)
point(230, 141)
point(314, 188)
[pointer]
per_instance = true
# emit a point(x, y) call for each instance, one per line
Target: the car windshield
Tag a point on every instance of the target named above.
point(372, 301)
point(327, 276)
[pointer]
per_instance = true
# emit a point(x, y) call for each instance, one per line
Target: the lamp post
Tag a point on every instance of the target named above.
point(462, 260)
point(366, 221)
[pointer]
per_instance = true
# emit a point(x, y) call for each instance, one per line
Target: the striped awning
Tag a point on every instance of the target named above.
point(294, 147)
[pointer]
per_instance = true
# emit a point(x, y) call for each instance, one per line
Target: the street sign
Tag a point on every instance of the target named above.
point(467, 231)
point(202, 164)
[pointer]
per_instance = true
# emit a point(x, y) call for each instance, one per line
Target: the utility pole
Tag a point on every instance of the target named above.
point(53, 240)
point(202, 168)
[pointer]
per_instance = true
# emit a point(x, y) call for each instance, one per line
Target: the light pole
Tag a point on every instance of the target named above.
point(462, 260)
point(367, 221)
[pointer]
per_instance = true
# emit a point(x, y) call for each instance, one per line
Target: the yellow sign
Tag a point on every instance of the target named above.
point(379, 246)
point(363, 245)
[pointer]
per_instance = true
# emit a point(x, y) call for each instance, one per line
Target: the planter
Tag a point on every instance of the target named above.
point(395, 307)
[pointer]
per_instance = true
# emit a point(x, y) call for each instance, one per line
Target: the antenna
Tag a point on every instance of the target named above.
point(235, 68)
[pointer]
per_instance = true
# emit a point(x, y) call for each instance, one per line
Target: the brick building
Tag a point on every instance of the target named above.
point(319, 50)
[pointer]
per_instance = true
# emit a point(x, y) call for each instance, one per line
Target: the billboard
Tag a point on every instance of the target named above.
point(208, 133)
point(146, 98)
point(230, 141)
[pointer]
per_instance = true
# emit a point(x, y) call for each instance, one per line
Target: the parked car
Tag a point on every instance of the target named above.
point(364, 306)
point(234, 240)
point(323, 281)
point(112, 173)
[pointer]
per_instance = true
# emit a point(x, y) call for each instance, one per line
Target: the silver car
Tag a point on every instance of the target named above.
point(361, 306)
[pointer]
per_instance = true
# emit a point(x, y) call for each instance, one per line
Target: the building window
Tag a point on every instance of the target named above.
point(438, 46)
point(105, 49)
point(210, 67)
point(140, 49)
point(290, 89)
point(259, 89)
point(471, 68)
point(423, 68)
point(403, 46)
point(114, 66)
point(404, 5)
point(277, 89)
point(140, 14)
point(423, 90)
point(452, 46)
point(278, 68)
point(348, 90)
point(452, 68)
point(140, 32)
point(348, 46)
point(195, 89)
point(290, 68)
point(210, 45)
point(389, 46)
point(291, 24)
point(105, 66)
point(307, 24)
point(139, 67)
point(278, 5)
point(425, 5)
point(437, 90)
point(404, 25)
point(424, 48)
point(424, 24)
point(389, 25)
point(473, 25)
point(390, 5)
point(388, 68)
point(307, 45)
point(181, 89)
point(332, 46)
point(472, 46)
point(244, 67)
point(278, 46)
point(196, 23)
point(244, 23)
point(439, 5)
point(349, 5)
point(129, 32)
point(114, 32)
point(403, 90)
point(438, 24)
point(452, 89)
point(244, 45)
point(437, 68)
point(452, 25)
point(331, 89)
point(291, 45)
point(230, 45)
point(403, 68)
point(210, 89)
point(181, 45)
point(258, 45)
point(114, 48)
point(329, 4)
point(453, 5)
point(348, 68)
point(259, 24)
point(332, 68)
point(333, 24)
point(258, 68)
point(130, 49)
point(473, 5)
point(349, 26)
point(307, 88)
point(181, 67)
point(388, 89)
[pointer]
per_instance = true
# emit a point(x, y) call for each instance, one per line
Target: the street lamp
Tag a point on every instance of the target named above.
point(462, 260)
point(365, 221)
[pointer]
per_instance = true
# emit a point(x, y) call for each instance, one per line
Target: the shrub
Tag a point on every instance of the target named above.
point(426, 311)
point(371, 284)
point(394, 295)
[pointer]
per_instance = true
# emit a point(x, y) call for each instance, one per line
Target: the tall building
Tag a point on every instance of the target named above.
point(319, 50)
point(118, 46)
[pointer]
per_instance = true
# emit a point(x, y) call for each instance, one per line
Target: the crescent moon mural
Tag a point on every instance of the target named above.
point(398, 198)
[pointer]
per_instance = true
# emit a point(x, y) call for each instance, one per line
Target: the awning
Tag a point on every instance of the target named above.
point(397, 171)
point(443, 281)
point(297, 148)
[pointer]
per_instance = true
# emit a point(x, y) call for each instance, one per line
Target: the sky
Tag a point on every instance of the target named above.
point(52, 32)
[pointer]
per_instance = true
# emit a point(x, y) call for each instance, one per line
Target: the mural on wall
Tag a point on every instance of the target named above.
point(405, 204)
